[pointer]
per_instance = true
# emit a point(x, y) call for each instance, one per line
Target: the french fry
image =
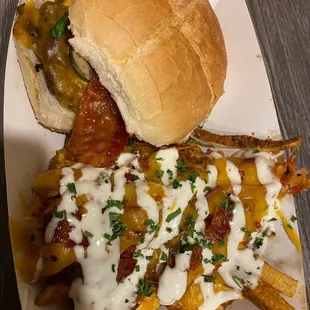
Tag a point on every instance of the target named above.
point(54, 293)
point(266, 297)
point(245, 142)
point(279, 281)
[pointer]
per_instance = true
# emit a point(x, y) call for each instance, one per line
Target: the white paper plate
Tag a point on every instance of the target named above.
point(246, 107)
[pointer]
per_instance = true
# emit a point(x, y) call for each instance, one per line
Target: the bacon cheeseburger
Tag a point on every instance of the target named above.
point(163, 62)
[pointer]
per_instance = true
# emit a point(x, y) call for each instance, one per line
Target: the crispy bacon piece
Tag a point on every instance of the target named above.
point(126, 263)
point(196, 258)
point(293, 180)
point(171, 259)
point(99, 134)
point(218, 227)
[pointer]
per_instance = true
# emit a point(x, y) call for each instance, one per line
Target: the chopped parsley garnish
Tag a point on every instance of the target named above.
point(135, 152)
point(272, 219)
point(137, 268)
point(221, 242)
point(172, 215)
point(159, 158)
point(243, 229)
point(71, 187)
point(176, 184)
point(149, 257)
point(191, 222)
point(256, 151)
point(237, 267)
point(207, 189)
point(209, 279)
point(113, 268)
point(88, 234)
point(153, 226)
point(58, 214)
point(293, 218)
point(31, 238)
point(130, 142)
point(249, 273)
point(193, 176)
point(126, 301)
point(238, 281)
point(142, 239)
point(58, 30)
point(256, 256)
point(185, 245)
point(118, 228)
point(164, 256)
point(138, 254)
point(115, 203)
point(145, 288)
point(159, 174)
point(181, 166)
point(135, 177)
point(116, 167)
point(289, 226)
point(258, 242)
point(193, 187)
point(168, 229)
point(170, 173)
point(227, 204)
point(214, 259)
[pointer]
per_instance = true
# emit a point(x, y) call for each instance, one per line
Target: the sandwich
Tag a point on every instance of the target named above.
point(163, 63)
point(132, 213)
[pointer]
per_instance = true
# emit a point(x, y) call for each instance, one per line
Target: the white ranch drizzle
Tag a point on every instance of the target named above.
point(212, 175)
point(206, 257)
point(167, 158)
point(240, 267)
point(174, 200)
point(213, 300)
point(146, 202)
point(201, 204)
point(172, 283)
point(264, 163)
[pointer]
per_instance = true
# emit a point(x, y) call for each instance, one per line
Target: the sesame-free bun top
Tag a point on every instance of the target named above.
point(163, 61)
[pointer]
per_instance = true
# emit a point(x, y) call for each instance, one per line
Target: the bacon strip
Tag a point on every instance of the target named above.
point(293, 180)
point(126, 263)
point(196, 258)
point(99, 134)
point(218, 228)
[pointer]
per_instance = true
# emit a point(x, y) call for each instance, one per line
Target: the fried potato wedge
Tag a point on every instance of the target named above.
point(266, 297)
point(245, 142)
point(279, 281)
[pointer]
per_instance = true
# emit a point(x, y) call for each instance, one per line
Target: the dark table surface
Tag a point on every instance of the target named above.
point(283, 31)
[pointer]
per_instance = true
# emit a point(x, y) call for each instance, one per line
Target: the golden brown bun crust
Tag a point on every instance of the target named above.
point(163, 61)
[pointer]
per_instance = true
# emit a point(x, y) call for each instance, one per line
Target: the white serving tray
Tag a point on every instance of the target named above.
point(247, 107)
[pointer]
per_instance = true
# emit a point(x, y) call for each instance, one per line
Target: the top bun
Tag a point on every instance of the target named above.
point(163, 61)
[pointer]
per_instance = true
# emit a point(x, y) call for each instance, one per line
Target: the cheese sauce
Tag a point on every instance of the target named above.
point(105, 190)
